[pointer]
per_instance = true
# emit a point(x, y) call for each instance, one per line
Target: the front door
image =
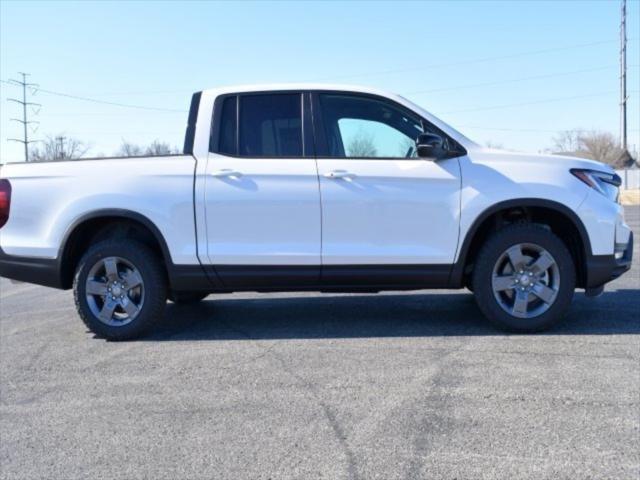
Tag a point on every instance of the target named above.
point(387, 216)
point(262, 196)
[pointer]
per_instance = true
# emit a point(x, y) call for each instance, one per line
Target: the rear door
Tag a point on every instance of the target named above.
point(387, 216)
point(262, 194)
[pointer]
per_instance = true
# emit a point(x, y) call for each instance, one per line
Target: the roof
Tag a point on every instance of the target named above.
point(298, 86)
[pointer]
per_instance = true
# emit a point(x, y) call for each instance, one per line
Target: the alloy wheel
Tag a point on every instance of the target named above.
point(114, 291)
point(525, 280)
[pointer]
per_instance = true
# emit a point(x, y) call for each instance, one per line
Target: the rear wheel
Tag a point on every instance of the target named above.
point(524, 278)
point(119, 289)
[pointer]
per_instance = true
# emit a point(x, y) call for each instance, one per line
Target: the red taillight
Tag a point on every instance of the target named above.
point(5, 201)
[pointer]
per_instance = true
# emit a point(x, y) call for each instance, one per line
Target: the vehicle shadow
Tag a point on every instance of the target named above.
point(388, 315)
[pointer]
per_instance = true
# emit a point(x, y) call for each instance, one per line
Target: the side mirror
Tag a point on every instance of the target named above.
point(429, 145)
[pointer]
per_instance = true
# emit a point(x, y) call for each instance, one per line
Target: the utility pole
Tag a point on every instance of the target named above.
point(623, 77)
point(60, 147)
point(25, 122)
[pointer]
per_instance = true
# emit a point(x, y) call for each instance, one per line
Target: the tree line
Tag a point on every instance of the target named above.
point(62, 147)
point(590, 144)
point(594, 145)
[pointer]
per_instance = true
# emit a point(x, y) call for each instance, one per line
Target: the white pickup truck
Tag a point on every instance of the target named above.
point(318, 188)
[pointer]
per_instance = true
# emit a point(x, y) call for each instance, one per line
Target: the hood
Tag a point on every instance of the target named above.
point(563, 161)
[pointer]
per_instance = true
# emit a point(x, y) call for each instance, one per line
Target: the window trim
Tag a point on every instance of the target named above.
point(216, 125)
point(321, 144)
point(308, 150)
point(190, 133)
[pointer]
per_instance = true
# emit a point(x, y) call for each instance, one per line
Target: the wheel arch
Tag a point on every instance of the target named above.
point(91, 225)
point(490, 220)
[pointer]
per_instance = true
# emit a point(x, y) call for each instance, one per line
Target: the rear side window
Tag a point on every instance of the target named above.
point(228, 126)
point(259, 125)
point(270, 125)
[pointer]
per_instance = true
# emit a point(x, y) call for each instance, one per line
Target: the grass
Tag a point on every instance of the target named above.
point(630, 197)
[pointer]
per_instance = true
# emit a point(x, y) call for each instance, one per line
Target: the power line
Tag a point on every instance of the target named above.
point(513, 80)
point(551, 100)
point(146, 92)
point(471, 61)
point(415, 92)
point(535, 102)
point(362, 74)
point(534, 77)
point(25, 122)
point(509, 129)
point(36, 89)
point(105, 102)
point(481, 60)
point(534, 130)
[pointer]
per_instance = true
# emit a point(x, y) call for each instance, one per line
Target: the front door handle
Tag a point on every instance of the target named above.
point(227, 172)
point(339, 174)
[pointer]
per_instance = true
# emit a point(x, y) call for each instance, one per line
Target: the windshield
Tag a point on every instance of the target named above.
point(463, 139)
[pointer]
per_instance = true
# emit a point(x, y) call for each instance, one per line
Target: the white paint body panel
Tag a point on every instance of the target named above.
point(388, 210)
point(281, 212)
point(268, 215)
point(48, 198)
point(493, 176)
point(604, 220)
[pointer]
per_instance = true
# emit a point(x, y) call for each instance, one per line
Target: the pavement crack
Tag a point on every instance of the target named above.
point(338, 430)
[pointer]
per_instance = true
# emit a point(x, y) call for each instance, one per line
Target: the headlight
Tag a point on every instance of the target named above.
point(606, 183)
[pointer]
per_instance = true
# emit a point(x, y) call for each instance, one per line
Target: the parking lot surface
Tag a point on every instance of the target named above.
point(258, 386)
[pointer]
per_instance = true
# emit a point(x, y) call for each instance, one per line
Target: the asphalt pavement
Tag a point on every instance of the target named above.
point(305, 386)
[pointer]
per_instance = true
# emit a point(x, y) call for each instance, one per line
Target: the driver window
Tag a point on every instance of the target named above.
point(363, 127)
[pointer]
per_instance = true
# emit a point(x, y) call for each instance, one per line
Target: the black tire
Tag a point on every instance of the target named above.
point(491, 252)
point(185, 298)
point(153, 280)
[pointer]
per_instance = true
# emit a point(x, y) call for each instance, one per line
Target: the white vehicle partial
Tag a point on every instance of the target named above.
point(313, 188)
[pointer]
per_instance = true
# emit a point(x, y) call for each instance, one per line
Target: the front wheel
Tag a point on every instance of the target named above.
point(119, 289)
point(524, 278)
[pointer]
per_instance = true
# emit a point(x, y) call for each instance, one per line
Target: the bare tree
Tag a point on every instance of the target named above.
point(59, 148)
point(601, 146)
point(406, 147)
point(155, 148)
point(595, 145)
point(567, 141)
point(362, 145)
point(494, 145)
point(160, 148)
point(128, 149)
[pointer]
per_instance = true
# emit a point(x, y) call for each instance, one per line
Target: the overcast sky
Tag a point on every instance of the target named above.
point(512, 73)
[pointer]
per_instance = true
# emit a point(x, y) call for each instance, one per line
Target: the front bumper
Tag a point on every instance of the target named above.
point(604, 268)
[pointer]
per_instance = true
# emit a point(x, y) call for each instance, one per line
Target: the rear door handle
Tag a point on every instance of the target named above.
point(339, 174)
point(227, 172)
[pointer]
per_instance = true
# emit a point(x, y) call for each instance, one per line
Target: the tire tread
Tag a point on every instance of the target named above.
point(155, 288)
point(488, 255)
